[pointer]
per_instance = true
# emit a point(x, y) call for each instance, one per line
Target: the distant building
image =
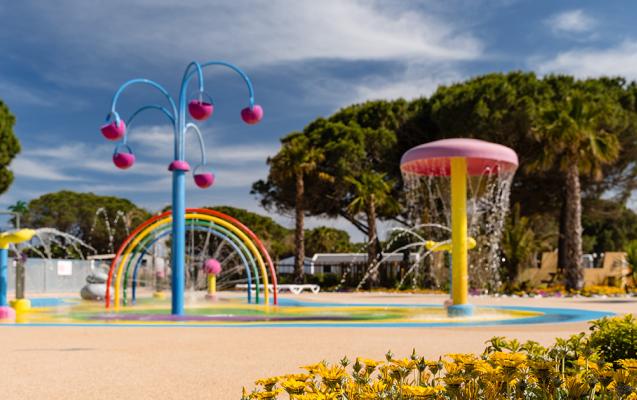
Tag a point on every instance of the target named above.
point(338, 263)
point(608, 268)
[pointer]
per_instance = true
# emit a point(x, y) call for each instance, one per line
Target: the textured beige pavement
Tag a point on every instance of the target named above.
point(214, 363)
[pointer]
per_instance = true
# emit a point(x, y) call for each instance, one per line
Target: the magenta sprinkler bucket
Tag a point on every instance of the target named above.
point(123, 160)
point(202, 107)
point(252, 115)
point(200, 110)
point(114, 131)
point(204, 180)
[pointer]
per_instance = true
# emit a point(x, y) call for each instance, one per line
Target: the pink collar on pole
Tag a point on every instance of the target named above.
point(483, 158)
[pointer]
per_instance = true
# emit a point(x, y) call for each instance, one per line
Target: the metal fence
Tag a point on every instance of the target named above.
point(53, 276)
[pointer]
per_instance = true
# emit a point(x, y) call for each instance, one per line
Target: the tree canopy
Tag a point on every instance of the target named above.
point(9, 146)
point(77, 214)
point(551, 122)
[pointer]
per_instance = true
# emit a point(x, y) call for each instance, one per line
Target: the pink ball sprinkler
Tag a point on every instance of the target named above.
point(212, 268)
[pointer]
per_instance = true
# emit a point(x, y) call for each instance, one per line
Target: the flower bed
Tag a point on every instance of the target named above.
point(580, 367)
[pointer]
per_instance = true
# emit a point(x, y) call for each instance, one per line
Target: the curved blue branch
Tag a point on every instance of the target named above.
point(202, 147)
point(179, 139)
point(146, 82)
point(199, 71)
point(129, 122)
point(237, 70)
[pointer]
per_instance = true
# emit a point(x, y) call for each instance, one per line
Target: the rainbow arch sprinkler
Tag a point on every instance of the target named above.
point(123, 269)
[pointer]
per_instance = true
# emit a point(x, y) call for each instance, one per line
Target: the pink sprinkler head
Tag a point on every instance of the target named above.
point(200, 110)
point(204, 180)
point(114, 131)
point(123, 160)
point(212, 266)
point(8, 313)
point(252, 115)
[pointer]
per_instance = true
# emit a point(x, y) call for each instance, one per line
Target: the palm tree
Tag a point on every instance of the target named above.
point(372, 191)
point(20, 207)
point(577, 131)
point(297, 159)
point(631, 259)
point(520, 243)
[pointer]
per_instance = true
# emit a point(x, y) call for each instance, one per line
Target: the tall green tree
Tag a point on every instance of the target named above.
point(294, 162)
point(323, 239)
point(10, 146)
point(354, 141)
point(631, 259)
point(521, 242)
point(77, 214)
point(576, 128)
point(371, 190)
point(275, 237)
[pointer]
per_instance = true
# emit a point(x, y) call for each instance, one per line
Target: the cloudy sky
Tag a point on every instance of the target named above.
point(62, 61)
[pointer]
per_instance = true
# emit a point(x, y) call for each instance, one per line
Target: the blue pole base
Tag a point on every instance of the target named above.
point(460, 310)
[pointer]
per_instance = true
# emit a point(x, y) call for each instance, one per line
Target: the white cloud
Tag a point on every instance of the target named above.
point(285, 31)
point(572, 21)
point(418, 80)
point(23, 167)
point(619, 60)
point(157, 141)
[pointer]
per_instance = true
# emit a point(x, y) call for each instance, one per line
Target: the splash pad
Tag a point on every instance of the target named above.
point(232, 310)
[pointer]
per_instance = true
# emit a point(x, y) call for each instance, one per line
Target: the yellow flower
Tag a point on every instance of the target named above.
point(297, 377)
point(404, 363)
point(421, 392)
point(453, 368)
point(586, 364)
point(312, 368)
point(269, 395)
point(508, 359)
point(454, 382)
point(293, 386)
point(331, 375)
point(629, 364)
point(267, 383)
point(463, 358)
point(369, 363)
point(509, 362)
point(576, 387)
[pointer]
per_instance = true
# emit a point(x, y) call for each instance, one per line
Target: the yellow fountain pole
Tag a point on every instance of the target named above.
point(459, 267)
point(212, 285)
point(7, 238)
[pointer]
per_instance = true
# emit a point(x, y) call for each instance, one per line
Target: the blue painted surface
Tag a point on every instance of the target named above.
point(549, 316)
point(461, 310)
point(178, 251)
point(4, 276)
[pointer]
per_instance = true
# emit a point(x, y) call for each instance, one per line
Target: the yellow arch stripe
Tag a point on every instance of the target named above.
point(190, 216)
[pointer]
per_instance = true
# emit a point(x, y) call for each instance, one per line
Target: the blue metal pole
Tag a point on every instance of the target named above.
point(178, 242)
point(4, 284)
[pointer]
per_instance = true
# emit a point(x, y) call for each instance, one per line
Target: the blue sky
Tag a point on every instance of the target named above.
point(62, 61)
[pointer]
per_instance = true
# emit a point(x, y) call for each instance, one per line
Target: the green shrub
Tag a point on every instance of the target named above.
point(615, 338)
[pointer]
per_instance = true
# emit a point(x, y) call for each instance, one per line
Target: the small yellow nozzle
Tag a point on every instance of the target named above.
point(23, 235)
point(446, 245)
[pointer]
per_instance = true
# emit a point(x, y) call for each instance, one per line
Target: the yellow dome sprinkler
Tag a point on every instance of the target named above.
point(459, 159)
point(7, 238)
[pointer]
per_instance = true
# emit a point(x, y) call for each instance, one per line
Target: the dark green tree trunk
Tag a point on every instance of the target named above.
point(299, 234)
point(372, 243)
point(573, 272)
point(561, 240)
